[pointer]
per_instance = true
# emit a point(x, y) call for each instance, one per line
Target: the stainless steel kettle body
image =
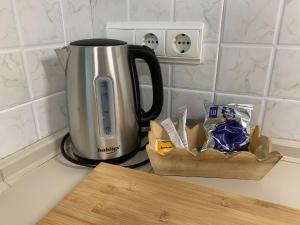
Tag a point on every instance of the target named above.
point(103, 99)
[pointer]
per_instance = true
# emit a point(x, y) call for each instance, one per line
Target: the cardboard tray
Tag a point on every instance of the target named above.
point(251, 165)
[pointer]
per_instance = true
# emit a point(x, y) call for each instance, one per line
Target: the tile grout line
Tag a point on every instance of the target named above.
point(92, 17)
point(266, 87)
point(41, 47)
point(36, 120)
point(128, 9)
point(31, 102)
point(169, 109)
point(218, 54)
point(8, 184)
point(257, 45)
point(233, 45)
point(268, 80)
point(63, 21)
point(223, 44)
point(230, 94)
point(239, 95)
point(26, 71)
point(170, 66)
point(245, 45)
point(170, 81)
point(1, 177)
point(173, 11)
point(33, 110)
point(9, 50)
point(217, 64)
point(31, 48)
point(274, 46)
point(21, 49)
point(91, 35)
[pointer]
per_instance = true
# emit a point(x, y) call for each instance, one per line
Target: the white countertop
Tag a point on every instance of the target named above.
point(31, 197)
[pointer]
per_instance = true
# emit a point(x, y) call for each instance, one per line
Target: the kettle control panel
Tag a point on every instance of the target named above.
point(105, 106)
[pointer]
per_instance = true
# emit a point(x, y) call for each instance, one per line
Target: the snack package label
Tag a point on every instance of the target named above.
point(163, 147)
point(213, 112)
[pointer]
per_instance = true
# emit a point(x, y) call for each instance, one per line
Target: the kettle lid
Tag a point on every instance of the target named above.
point(98, 42)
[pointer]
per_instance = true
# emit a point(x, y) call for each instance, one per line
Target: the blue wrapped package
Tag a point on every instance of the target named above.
point(227, 127)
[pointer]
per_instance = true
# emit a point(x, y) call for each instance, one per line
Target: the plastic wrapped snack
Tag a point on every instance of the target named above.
point(227, 127)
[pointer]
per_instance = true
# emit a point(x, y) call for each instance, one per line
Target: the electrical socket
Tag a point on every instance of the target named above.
point(183, 43)
point(154, 39)
point(151, 40)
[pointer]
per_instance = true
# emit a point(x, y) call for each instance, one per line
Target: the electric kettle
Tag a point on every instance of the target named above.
point(103, 98)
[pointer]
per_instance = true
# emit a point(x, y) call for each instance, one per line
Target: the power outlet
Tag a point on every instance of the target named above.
point(154, 39)
point(151, 40)
point(184, 43)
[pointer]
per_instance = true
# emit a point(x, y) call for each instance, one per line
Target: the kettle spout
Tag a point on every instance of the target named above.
point(63, 55)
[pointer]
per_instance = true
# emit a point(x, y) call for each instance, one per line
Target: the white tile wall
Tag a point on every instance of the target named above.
point(243, 70)
point(32, 82)
point(40, 21)
point(250, 55)
point(78, 19)
point(197, 76)
point(144, 73)
point(227, 99)
point(51, 114)
point(145, 10)
point(286, 74)
point(250, 21)
point(13, 85)
point(290, 29)
point(147, 99)
point(8, 34)
point(104, 11)
point(282, 119)
point(17, 129)
point(45, 72)
point(207, 11)
point(194, 102)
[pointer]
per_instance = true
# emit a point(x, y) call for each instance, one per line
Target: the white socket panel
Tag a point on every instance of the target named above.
point(178, 43)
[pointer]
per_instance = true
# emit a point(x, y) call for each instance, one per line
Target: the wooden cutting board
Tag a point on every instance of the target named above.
point(113, 195)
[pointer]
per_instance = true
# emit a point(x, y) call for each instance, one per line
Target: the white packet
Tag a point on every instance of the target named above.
point(182, 114)
point(171, 130)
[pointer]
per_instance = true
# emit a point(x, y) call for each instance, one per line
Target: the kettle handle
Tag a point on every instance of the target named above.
point(148, 55)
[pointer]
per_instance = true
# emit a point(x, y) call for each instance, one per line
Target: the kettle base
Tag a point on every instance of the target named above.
point(68, 151)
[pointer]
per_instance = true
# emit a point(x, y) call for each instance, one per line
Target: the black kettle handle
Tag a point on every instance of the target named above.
point(148, 55)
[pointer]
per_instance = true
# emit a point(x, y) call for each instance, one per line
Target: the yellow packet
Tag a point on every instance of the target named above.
point(163, 147)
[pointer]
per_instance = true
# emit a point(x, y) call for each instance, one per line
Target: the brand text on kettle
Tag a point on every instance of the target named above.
point(109, 150)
